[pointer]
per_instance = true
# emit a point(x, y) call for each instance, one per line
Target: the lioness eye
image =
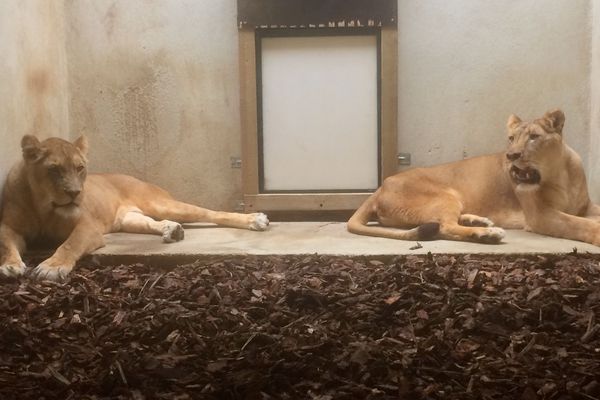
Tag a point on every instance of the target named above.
point(533, 136)
point(511, 139)
point(80, 168)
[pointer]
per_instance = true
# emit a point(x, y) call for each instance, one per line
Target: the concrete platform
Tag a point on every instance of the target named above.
point(330, 238)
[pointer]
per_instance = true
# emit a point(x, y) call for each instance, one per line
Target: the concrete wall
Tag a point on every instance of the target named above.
point(594, 165)
point(154, 84)
point(466, 65)
point(33, 75)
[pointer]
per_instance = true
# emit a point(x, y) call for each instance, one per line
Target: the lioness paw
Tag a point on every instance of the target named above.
point(475, 220)
point(258, 222)
point(173, 232)
point(13, 270)
point(491, 235)
point(51, 271)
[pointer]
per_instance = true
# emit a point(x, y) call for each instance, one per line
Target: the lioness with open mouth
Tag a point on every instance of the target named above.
point(538, 184)
point(48, 195)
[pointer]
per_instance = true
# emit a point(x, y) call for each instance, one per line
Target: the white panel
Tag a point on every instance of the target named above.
point(320, 113)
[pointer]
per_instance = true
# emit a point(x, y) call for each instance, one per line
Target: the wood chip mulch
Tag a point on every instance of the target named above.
point(313, 327)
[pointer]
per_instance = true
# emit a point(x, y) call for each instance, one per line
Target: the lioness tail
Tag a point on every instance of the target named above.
point(358, 224)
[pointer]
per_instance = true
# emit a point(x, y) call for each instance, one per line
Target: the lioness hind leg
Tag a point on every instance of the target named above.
point(135, 222)
point(474, 220)
point(187, 213)
point(454, 231)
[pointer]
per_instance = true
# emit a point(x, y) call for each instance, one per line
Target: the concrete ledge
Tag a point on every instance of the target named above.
point(328, 238)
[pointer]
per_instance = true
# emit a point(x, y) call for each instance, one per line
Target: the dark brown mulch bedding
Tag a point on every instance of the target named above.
point(416, 327)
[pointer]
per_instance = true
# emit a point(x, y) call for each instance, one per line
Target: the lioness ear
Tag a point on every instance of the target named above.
point(513, 121)
point(555, 120)
point(82, 144)
point(30, 145)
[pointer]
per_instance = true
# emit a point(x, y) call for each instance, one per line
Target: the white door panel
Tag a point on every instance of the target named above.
point(319, 113)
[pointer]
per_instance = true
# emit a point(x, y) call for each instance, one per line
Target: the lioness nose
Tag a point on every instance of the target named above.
point(73, 193)
point(512, 156)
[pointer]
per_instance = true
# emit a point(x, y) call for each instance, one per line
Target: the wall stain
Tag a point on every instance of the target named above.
point(109, 19)
point(38, 81)
point(38, 86)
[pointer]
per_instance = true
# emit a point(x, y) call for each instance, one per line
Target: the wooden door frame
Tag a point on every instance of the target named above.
point(253, 199)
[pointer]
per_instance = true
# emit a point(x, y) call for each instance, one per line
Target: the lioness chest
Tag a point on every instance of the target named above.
point(52, 229)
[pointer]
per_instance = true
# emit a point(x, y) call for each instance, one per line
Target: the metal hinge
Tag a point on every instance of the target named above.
point(403, 158)
point(240, 205)
point(236, 162)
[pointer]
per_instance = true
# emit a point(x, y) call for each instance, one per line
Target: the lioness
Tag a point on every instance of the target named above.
point(538, 184)
point(47, 195)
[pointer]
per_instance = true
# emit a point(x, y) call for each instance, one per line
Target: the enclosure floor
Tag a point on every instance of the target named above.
point(329, 238)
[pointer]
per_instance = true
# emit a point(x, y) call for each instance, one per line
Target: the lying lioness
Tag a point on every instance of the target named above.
point(538, 184)
point(47, 195)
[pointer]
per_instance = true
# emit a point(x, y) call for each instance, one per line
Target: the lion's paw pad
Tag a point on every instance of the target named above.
point(173, 232)
point(12, 270)
point(259, 222)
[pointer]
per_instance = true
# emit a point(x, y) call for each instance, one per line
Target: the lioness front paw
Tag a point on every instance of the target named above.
point(51, 270)
point(173, 232)
point(258, 222)
point(13, 269)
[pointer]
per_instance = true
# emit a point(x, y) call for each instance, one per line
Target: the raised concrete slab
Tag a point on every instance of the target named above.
point(329, 238)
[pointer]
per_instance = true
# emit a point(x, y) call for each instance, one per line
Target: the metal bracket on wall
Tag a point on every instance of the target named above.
point(403, 159)
point(236, 162)
point(239, 205)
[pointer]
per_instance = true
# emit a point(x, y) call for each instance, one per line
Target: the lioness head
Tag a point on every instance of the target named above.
point(56, 170)
point(532, 146)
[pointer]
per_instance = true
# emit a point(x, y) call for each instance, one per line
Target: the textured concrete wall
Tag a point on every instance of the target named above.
point(33, 75)
point(466, 65)
point(594, 164)
point(154, 84)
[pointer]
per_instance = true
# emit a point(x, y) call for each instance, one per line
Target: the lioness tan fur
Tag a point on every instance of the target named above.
point(538, 184)
point(48, 195)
